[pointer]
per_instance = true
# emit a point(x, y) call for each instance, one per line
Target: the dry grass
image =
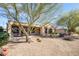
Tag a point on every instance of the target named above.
point(47, 47)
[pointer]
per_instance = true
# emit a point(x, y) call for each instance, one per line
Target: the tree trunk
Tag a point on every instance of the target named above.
point(23, 30)
point(20, 26)
point(69, 32)
point(30, 29)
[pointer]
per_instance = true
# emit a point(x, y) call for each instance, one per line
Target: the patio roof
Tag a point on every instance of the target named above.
point(22, 23)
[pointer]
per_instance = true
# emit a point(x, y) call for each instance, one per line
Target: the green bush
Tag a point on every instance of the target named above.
point(77, 29)
point(1, 29)
point(3, 37)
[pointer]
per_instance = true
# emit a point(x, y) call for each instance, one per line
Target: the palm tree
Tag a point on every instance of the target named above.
point(33, 13)
point(70, 20)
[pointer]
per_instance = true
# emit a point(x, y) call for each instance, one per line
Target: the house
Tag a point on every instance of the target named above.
point(61, 29)
point(13, 29)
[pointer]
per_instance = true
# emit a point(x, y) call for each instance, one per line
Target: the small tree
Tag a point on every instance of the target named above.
point(71, 20)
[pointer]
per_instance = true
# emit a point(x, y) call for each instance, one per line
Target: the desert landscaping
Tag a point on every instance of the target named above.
point(46, 47)
point(39, 29)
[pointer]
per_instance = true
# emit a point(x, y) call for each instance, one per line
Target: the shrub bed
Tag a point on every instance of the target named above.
point(3, 38)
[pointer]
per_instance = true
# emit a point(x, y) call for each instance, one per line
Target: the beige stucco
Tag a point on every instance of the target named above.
point(42, 30)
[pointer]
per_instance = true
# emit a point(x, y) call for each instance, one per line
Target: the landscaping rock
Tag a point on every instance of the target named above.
point(67, 37)
point(38, 40)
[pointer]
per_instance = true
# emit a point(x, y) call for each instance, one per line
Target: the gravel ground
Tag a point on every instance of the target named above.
point(47, 47)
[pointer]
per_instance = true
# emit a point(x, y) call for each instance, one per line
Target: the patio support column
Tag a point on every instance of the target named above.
point(42, 31)
point(9, 31)
point(47, 31)
point(19, 32)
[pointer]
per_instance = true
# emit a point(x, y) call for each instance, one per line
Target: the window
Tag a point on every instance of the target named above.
point(15, 30)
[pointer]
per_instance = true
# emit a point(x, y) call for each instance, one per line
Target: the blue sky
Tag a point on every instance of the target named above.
point(66, 7)
point(70, 6)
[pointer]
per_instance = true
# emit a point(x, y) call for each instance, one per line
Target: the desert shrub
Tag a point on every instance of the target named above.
point(77, 30)
point(3, 37)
